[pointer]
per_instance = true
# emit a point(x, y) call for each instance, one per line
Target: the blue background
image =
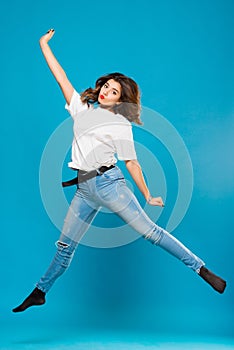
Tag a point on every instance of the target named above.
point(181, 55)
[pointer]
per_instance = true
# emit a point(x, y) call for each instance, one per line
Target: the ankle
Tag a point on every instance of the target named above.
point(38, 292)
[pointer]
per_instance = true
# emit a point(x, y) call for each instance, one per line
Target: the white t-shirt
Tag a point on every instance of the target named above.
point(98, 135)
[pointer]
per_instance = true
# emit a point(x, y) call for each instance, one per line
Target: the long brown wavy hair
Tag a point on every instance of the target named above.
point(129, 104)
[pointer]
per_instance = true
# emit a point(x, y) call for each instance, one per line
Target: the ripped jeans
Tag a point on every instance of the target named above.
point(109, 190)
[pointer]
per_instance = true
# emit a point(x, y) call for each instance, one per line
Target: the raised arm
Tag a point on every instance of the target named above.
point(134, 169)
point(55, 67)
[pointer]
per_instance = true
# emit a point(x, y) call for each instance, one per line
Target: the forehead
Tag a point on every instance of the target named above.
point(114, 84)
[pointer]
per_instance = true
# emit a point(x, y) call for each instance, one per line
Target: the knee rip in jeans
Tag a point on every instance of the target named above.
point(154, 236)
point(61, 244)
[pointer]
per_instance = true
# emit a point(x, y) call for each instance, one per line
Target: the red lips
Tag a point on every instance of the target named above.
point(102, 97)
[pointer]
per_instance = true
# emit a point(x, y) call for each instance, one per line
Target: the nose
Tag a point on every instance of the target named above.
point(106, 91)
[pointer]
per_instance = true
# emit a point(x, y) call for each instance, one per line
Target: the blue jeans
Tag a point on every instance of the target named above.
point(109, 190)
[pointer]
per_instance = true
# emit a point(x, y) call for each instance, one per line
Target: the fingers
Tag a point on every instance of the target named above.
point(50, 30)
point(47, 36)
point(161, 202)
point(157, 201)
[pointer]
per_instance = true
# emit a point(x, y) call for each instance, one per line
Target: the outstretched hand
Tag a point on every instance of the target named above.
point(45, 38)
point(157, 201)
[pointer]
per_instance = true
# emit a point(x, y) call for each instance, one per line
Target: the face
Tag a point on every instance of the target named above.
point(110, 93)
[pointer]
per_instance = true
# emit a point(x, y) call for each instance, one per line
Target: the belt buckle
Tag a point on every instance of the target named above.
point(105, 168)
point(99, 172)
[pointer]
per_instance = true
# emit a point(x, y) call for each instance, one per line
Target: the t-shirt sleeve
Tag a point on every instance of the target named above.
point(76, 105)
point(124, 144)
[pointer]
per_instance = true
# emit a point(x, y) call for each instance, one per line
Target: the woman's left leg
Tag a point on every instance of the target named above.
point(129, 209)
point(122, 201)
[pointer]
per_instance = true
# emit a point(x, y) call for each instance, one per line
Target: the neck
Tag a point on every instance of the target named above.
point(109, 108)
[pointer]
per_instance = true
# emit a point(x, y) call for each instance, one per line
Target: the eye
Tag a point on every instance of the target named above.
point(105, 86)
point(114, 92)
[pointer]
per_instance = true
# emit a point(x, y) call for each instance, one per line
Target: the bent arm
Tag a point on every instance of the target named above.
point(135, 171)
point(55, 67)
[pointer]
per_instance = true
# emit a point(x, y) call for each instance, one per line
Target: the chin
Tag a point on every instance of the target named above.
point(105, 104)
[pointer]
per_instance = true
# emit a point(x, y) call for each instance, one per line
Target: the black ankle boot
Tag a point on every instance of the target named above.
point(216, 282)
point(37, 297)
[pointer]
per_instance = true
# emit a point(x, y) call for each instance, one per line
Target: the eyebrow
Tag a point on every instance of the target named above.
point(113, 87)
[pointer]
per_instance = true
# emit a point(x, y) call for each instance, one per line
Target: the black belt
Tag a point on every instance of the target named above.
point(84, 175)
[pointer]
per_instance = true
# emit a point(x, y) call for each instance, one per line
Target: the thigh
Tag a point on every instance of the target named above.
point(118, 198)
point(79, 217)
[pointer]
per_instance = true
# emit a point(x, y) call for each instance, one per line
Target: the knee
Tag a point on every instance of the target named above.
point(60, 244)
point(155, 235)
point(64, 254)
point(65, 244)
point(65, 251)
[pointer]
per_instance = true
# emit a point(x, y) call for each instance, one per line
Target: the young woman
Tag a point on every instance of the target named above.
point(99, 134)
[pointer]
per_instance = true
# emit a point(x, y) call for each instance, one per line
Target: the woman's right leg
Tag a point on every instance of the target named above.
point(79, 217)
point(61, 261)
